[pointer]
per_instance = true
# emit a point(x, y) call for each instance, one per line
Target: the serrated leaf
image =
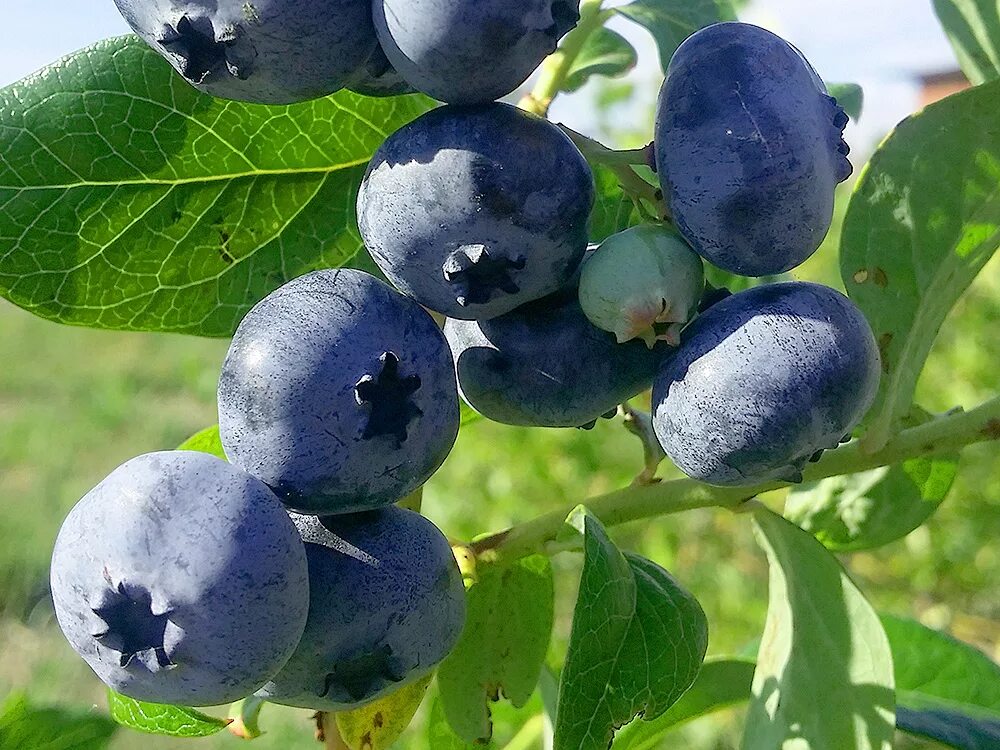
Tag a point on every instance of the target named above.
point(820, 634)
point(502, 649)
point(205, 441)
point(721, 683)
point(951, 729)
point(672, 21)
point(155, 718)
point(129, 200)
point(923, 220)
point(27, 727)
point(850, 96)
point(604, 53)
point(873, 508)
point(377, 725)
point(973, 28)
point(614, 211)
point(637, 643)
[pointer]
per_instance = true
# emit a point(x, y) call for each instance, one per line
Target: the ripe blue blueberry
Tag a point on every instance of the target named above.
point(465, 52)
point(749, 149)
point(387, 604)
point(338, 392)
point(473, 211)
point(380, 78)
point(180, 579)
point(765, 381)
point(546, 365)
point(264, 51)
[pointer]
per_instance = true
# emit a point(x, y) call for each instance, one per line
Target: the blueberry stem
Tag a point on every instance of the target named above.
point(622, 163)
point(640, 424)
point(245, 716)
point(558, 65)
point(945, 434)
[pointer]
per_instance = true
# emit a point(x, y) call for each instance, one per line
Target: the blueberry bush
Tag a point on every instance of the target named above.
point(396, 255)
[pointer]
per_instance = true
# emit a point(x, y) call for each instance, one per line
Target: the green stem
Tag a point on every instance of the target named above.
point(557, 66)
point(246, 718)
point(945, 434)
point(621, 163)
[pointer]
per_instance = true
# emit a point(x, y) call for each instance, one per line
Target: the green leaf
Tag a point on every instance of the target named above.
point(27, 727)
point(937, 672)
point(923, 220)
point(873, 508)
point(132, 201)
point(502, 649)
point(821, 635)
point(614, 211)
point(206, 441)
point(672, 21)
point(637, 643)
point(850, 96)
point(720, 684)
point(954, 730)
point(154, 718)
point(973, 27)
point(440, 735)
point(605, 53)
point(377, 725)
point(946, 690)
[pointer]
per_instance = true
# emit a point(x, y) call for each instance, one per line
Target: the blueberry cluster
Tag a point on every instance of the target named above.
point(288, 571)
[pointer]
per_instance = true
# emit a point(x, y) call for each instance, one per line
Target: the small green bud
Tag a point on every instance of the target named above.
point(642, 283)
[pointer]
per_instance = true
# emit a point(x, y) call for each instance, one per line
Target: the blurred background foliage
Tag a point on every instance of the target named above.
point(76, 403)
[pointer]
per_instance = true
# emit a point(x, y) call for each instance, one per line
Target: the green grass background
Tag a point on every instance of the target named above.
point(76, 403)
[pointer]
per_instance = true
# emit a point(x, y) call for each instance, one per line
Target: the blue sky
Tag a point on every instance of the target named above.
point(882, 44)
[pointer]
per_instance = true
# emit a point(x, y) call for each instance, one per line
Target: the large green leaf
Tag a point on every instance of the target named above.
point(873, 508)
point(604, 53)
point(720, 684)
point(502, 649)
point(672, 21)
point(923, 220)
point(27, 727)
point(375, 726)
point(130, 200)
point(937, 672)
point(973, 27)
point(946, 690)
point(821, 638)
point(155, 718)
point(637, 643)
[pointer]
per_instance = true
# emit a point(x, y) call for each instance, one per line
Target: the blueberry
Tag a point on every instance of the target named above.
point(765, 379)
point(265, 51)
point(380, 78)
point(338, 392)
point(180, 579)
point(387, 604)
point(642, 283)
point(546, 365)
point(749, 149)
point(465, 52)
point(473, 211)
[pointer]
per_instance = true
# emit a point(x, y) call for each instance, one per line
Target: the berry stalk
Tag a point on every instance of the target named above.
point(947, 433)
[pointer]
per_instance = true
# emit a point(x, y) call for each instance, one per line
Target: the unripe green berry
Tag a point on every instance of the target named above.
point(643, 283)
